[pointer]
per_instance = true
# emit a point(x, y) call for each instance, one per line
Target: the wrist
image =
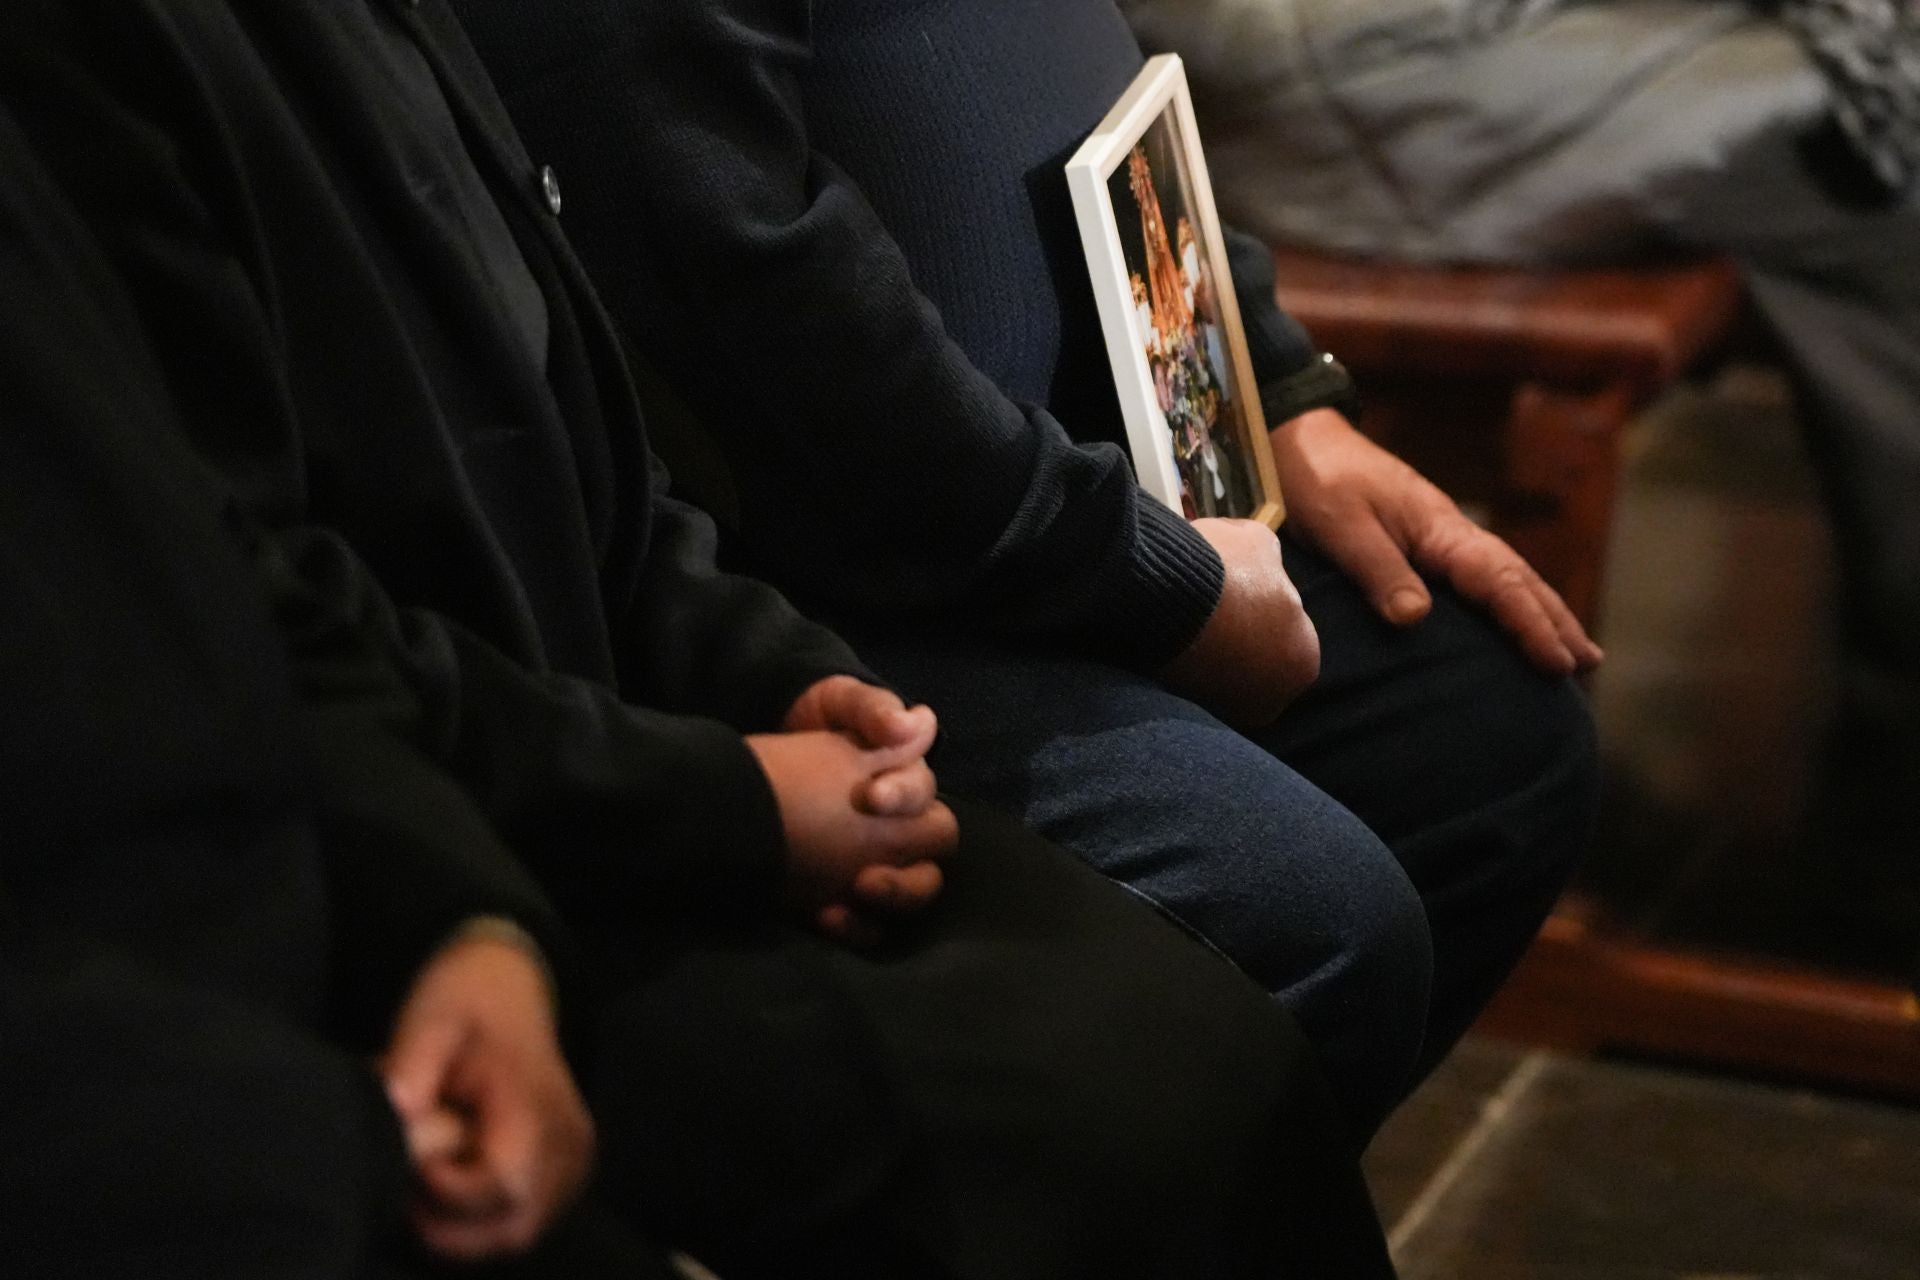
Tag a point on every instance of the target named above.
point(504, 932)
point(1323, 383)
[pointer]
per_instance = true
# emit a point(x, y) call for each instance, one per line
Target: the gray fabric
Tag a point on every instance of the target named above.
point(1870, 52)
point(1477, 129)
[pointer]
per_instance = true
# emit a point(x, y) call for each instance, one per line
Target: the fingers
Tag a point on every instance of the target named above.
point(440, 1134)
point(876, 718)
point(1485, 569)
point(487, 1176)
point(424, 1047)
point(468, 1188)
point(1533, 613)
point(840, 922)
point(1368, 511)
point(897, 890)
point(879, 891)
point(904, 791)
point(931, 834)
point(531, 1143)
point(1480, 565)
point(911, 736)
point(1586, 653)
point(465, 1209)
point(893, 888)
point(510, 1141)
point(478, 1237)
point(1368, 552)
point(871, 714)
point(496, 1129)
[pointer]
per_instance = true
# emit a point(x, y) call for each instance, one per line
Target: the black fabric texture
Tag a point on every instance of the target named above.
point(183, 957)
point(1021, 1152)
point(524, 598)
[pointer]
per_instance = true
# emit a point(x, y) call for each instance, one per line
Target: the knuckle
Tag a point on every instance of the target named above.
point(1512, 576)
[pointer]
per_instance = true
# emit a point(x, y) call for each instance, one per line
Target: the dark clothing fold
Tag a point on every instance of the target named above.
point(299, 235)
point(192, 964)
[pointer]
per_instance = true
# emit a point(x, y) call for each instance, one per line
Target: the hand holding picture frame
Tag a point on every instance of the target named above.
point(1167, 306)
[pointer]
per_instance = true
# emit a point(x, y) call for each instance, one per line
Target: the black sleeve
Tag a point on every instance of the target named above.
point(700, 641)
point(614, 805)
point(881, 473)
point(1293, 376)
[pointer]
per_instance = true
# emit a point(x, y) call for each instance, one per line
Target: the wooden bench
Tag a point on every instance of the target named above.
point(1512, 389)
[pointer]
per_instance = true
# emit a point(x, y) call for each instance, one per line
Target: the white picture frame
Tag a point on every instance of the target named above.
point(1194, 426)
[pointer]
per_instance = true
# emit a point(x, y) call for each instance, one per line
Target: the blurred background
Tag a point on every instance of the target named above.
point(1716, 705)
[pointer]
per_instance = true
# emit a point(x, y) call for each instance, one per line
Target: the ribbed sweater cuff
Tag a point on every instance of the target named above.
point(1179, 578)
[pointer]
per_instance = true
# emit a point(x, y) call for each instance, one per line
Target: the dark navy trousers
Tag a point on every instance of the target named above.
point(1378, 858)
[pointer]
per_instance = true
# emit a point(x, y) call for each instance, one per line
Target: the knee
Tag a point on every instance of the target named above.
point(1542, 762)
point(1513, 758)
point(1353, 955)
point(1510, 723)
point(1354, 964)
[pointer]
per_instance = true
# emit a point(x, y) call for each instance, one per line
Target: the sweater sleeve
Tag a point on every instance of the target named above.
point(701, 640)
point(1293, 375)
point(880, 472)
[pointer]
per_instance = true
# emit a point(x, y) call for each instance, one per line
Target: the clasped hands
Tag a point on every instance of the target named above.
point(857, 802)
point(497, 1134)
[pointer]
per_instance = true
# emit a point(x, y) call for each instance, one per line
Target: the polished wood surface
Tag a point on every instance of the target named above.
point(1587, 987)
point(1641, 326)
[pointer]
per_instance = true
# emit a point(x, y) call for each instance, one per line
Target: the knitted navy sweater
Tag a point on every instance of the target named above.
point(843, 232)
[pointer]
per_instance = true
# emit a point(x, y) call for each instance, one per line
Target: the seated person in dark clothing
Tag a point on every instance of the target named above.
point(394, 395)
point(199, 948)
point(843, 232)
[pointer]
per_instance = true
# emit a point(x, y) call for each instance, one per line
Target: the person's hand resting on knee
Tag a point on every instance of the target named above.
point(496, 1131)
point(858, 804)
point(1382, 522)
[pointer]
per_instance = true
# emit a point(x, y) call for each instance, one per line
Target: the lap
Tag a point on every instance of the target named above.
point(160, 1131)
point(1314, 823)
point(1378, 859)
point(1413, 727)
point(1045, 1079)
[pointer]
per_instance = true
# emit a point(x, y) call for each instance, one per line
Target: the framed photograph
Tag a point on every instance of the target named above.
point(1167, 306)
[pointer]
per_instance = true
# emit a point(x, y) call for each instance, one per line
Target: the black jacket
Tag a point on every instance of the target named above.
point(464, 548)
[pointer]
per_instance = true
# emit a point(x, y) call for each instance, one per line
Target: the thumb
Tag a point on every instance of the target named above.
point(418, 1060)
point(1375, 561)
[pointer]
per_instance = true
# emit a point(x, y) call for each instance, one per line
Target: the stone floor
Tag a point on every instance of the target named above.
point(1512, 1164)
